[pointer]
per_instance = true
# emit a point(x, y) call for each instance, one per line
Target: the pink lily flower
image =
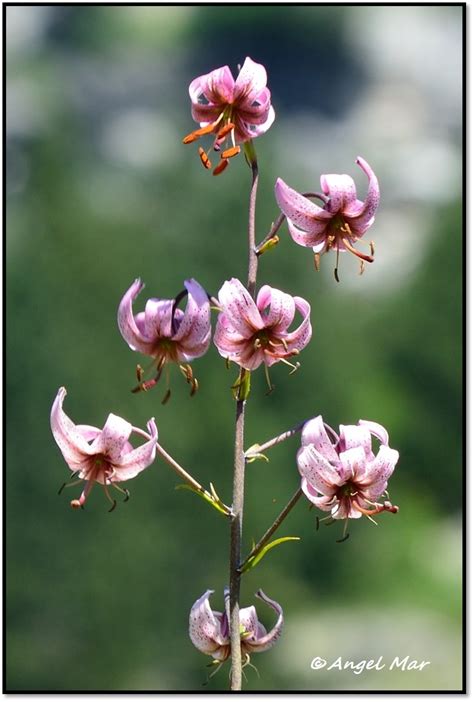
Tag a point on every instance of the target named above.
point(236, 110)
point(250, 333)
point(103, 456)
point(340, 473)
point(342, 220)
point(165, 332)
point(209, 630)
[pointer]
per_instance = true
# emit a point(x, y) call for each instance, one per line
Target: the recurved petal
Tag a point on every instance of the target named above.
point(239, 308)
point(133, 462)
point(341, 191)
point(126, 321)
point(87, 432)
point(315, 239)
point(226, 338)
point(353, 463)
point(281, 308)
point(314, 432)
point(381, 468)
point(376, 429)
point(112, 438)
point(364, 215)
point(72, 443)
point(196, 323)
point(217, 87)
point(300, 337)
point(204, 626)
point(250, 129)
point(300, 209)
point(257, 112)
point(265, 641)
point(188, 352)
point(205, 114)
point(353, 435)
point(249, 623)
point(318, 471)
point(250, 82)
point(158, 318)
point(323, 502)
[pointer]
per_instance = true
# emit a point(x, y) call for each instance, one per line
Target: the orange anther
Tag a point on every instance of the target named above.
point(199, 133)
point(225, 130)
point(233, 151)
point(221, 166)
point(205, 160)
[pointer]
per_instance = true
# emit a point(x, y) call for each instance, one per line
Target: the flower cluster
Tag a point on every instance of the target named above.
point(341, 473)
point(248, 333)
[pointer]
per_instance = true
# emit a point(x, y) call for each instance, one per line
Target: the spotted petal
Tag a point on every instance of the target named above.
point(71, 441)
point(322, 502)
point(217, 87)
point(112, 438)
point(265, 641)
point(250, 82)
point(126, 321)
point(133, 462)
point(300, 337)
point(195, 325)
point(353, 435)
point(379, 471)
point(353, 463)
point(302, 212)
point(239, 308)
point(205, 626)
point(314, 432)
point(341, 191)
point(361, 217)
point(318, 471)
point(281, 308)
point(376, 429)
point(249, 623)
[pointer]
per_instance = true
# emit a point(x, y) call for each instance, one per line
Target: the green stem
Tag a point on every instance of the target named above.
point(272, 529)
point(239, 459)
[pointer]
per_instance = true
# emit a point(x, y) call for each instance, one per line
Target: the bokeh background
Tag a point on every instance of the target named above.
point(100, 191)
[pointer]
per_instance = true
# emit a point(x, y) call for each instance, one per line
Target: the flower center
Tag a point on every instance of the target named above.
point(166, 350)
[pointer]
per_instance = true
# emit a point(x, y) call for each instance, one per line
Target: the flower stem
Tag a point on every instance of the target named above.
point(260, 448)
point(180, 470)
point(253, 258)
point(272, 529)
point(235, 547)
point(239, 460)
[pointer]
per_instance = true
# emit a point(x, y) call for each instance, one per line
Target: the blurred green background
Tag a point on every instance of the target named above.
point(100, 191)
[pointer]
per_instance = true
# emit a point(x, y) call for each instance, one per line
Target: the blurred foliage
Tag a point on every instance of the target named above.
point(100, 601)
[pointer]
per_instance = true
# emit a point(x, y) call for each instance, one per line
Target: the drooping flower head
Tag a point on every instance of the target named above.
point(342, 220)
point(340, 473)
point(103, 456)
point(210, 632)
point(234, 110)
point(166, 333)
point(251, 333)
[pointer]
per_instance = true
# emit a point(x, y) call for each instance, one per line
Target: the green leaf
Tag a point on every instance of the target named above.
point(218, 505)
point(252, 562)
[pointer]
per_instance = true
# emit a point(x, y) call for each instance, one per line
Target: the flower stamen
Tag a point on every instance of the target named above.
point(359, 254)
point(204, 156)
